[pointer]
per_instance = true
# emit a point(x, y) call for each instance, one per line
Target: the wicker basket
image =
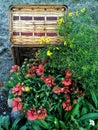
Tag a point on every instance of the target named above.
point(28, 23)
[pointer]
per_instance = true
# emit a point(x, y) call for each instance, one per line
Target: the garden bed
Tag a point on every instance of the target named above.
point(52, 91)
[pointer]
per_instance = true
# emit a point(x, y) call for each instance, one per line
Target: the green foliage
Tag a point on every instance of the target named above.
point(79, 49)
point(7, 124)
point(78, 55)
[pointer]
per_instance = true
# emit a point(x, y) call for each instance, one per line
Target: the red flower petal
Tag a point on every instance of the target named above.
point(32, 115)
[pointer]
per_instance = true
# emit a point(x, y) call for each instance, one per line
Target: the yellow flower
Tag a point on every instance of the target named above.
point(69, 65)
point(63, 53)
point(26, 89)
point(70, 14)
point(17, 73)
point(77, 13)
point(65, 43)
point(47, 40)
point(82, 10)
point(74, 101)
point(49, 53)
point(60, 21)
point(42, 40)
point(57, 48)
point(71, 45)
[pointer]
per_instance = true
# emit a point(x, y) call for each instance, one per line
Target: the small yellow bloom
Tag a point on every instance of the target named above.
point(63, 53)
point(71, 45)
point(47, 40)
point(77, 13)
point(57, 48)
point(42, 40)
point(69, 65)
point(65, 43)
point(82, 10)
point(49, 53)
point(17, 73)
point(74, 101)
point(60, 21)
point(26, 89)
point(70, 14)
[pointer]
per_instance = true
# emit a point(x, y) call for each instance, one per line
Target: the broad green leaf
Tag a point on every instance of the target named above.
point(50, 118)
point(90, 105)
point(15, 124)
point(56, 122)
point(62, 125)
point(94, 98)
point(1, 128)
point(41, 123)
point(84, 111)
point(88, 116)
point(7, 120)
point(75, 110)
point(23, 128)
point(36, 127)
point(0, 121)
point(45, 124)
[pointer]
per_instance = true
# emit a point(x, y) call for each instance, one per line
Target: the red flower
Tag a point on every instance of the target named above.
point(40, 69)
point(68, 74)
point(41, 114)
point(66, 106)
point(56, 89)
point(43, 78)
point(1, 84)
point(14, 68)
point(49, 81)
point(66, 89)
point(66, 82)
point(17, 104)
point(61, 90)
point(32, 115)
point(17, 89)
point(79, 93)
point(32, 70)
point(68, 99)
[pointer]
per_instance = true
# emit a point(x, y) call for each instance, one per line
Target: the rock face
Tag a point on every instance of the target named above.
point(4, 109)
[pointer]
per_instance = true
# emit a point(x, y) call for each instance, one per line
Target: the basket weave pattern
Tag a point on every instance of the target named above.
point(29, 23)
